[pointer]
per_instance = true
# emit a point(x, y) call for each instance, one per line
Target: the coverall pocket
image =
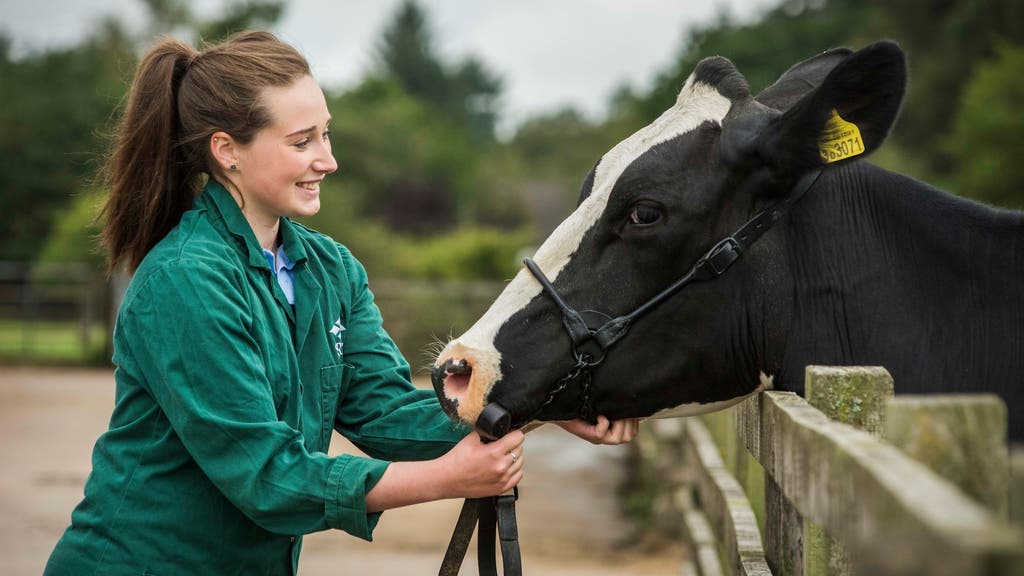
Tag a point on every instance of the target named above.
point(334, 382)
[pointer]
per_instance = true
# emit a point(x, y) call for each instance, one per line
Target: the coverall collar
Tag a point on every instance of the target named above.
point(235, 221)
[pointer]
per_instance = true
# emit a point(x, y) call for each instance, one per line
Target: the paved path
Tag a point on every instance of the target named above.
point(49, 419)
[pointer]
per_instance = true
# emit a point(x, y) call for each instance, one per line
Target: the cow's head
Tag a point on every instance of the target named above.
point(650, 208)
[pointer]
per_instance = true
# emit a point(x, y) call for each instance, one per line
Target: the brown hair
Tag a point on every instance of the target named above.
point(179, 98)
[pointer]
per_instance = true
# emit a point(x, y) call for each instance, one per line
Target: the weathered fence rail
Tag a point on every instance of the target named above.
point(52, 311)
point(719, 502)
point(841, 500)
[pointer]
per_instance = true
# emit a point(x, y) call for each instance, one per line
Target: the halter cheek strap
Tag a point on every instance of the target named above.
point(497, 514)
point(713, 264)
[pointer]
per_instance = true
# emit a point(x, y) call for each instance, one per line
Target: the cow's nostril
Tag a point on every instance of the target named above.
point(460, 367)
point(456, 378)
point(462, 377)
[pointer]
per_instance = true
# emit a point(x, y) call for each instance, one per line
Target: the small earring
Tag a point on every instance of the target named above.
point(234, 167)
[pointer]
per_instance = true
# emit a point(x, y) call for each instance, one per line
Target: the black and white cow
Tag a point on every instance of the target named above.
point(868, 267)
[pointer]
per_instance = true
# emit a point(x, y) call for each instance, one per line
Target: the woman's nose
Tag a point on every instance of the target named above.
point(326, 164)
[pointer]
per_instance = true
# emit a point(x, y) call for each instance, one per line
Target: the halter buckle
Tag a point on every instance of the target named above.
point(722, 255)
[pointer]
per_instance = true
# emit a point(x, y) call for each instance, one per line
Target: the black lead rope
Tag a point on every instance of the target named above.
point(489, 513)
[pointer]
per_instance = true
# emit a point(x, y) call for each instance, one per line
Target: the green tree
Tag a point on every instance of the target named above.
point(406, 53)
point(544, 164)
point(476, 93)
point(73, 238)
point(56, 105)
point(399, 161)
point(467, 93)
point(170, 16)
point(765, 48)
point(985, 141)
point(241, 15)
point(58, 112)
point(944, 40)
point(564, 146)
point(411, 137)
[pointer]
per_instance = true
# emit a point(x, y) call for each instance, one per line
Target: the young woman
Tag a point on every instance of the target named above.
point(244, 339)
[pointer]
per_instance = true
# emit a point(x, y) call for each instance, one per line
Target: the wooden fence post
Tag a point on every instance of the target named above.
point(961, 437)
point(892, 513)
point(856, 396)
point(1017, 484)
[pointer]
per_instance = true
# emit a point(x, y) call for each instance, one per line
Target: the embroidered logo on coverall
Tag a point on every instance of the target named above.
point(336, 332)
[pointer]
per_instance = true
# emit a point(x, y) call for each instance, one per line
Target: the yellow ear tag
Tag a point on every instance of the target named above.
point(839, 140)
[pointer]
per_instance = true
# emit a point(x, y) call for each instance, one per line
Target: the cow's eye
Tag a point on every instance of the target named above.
point(644, 214)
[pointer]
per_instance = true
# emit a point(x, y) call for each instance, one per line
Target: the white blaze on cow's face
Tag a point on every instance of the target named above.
point(477, 361)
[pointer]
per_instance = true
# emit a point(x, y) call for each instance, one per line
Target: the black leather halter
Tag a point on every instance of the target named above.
point(495, 422)
point(712, 265)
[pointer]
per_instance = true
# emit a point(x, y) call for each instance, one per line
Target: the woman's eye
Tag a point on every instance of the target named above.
point(302, 144)
point(327, 135)
point(643, 215)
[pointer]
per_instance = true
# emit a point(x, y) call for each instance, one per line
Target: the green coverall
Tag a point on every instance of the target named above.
point(215, 460)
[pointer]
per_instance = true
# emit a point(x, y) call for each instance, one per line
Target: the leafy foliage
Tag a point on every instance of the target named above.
point(169, 16)
point(75, 232)
point(945, 40)
point(424, 187)
point(399, 161)
point(549, 157)
point(986, 140)
point(466, 253)
point(765, 48)
point(56, 105)
point(465, 93)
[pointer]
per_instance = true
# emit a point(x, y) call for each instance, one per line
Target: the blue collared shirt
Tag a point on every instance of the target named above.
point(281, 266)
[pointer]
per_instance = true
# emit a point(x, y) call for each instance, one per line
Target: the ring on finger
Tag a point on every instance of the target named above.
point(515, 457)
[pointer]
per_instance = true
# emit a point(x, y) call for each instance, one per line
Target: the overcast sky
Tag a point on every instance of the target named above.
point(550, 53)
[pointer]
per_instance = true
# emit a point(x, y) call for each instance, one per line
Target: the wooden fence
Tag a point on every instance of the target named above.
point(53, 312)
point(65, 312)
point(786, 486)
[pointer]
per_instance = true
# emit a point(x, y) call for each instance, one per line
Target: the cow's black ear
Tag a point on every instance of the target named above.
point(801, 78)
point(846, 117)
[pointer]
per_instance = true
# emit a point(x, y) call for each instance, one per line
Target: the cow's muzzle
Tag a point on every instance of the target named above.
point(462, 377)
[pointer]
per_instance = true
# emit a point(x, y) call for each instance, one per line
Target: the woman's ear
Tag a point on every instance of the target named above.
point(224, 151)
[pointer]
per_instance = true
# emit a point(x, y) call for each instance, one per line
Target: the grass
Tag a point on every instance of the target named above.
point(50, 342)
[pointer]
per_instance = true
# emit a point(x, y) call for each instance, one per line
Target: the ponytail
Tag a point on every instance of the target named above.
point(150, 185)
point(178, 99)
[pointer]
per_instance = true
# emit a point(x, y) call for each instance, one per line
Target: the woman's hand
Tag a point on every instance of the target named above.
point(471, 469)
point(604, 431)
point(476, 470)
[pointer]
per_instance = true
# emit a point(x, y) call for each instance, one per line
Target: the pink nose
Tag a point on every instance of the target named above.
point(462, 377)
point(456, 378)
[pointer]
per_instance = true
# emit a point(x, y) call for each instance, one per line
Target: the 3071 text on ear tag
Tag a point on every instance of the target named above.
point(839, 140)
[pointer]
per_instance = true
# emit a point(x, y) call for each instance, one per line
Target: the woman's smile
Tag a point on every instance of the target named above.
point(312, 186)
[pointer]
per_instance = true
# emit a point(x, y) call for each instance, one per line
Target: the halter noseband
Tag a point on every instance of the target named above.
point(710, 266)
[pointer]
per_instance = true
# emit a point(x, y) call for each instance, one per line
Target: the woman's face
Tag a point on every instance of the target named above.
point(280, 171)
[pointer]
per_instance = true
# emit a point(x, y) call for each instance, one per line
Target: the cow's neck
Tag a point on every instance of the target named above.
point(888, 271)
